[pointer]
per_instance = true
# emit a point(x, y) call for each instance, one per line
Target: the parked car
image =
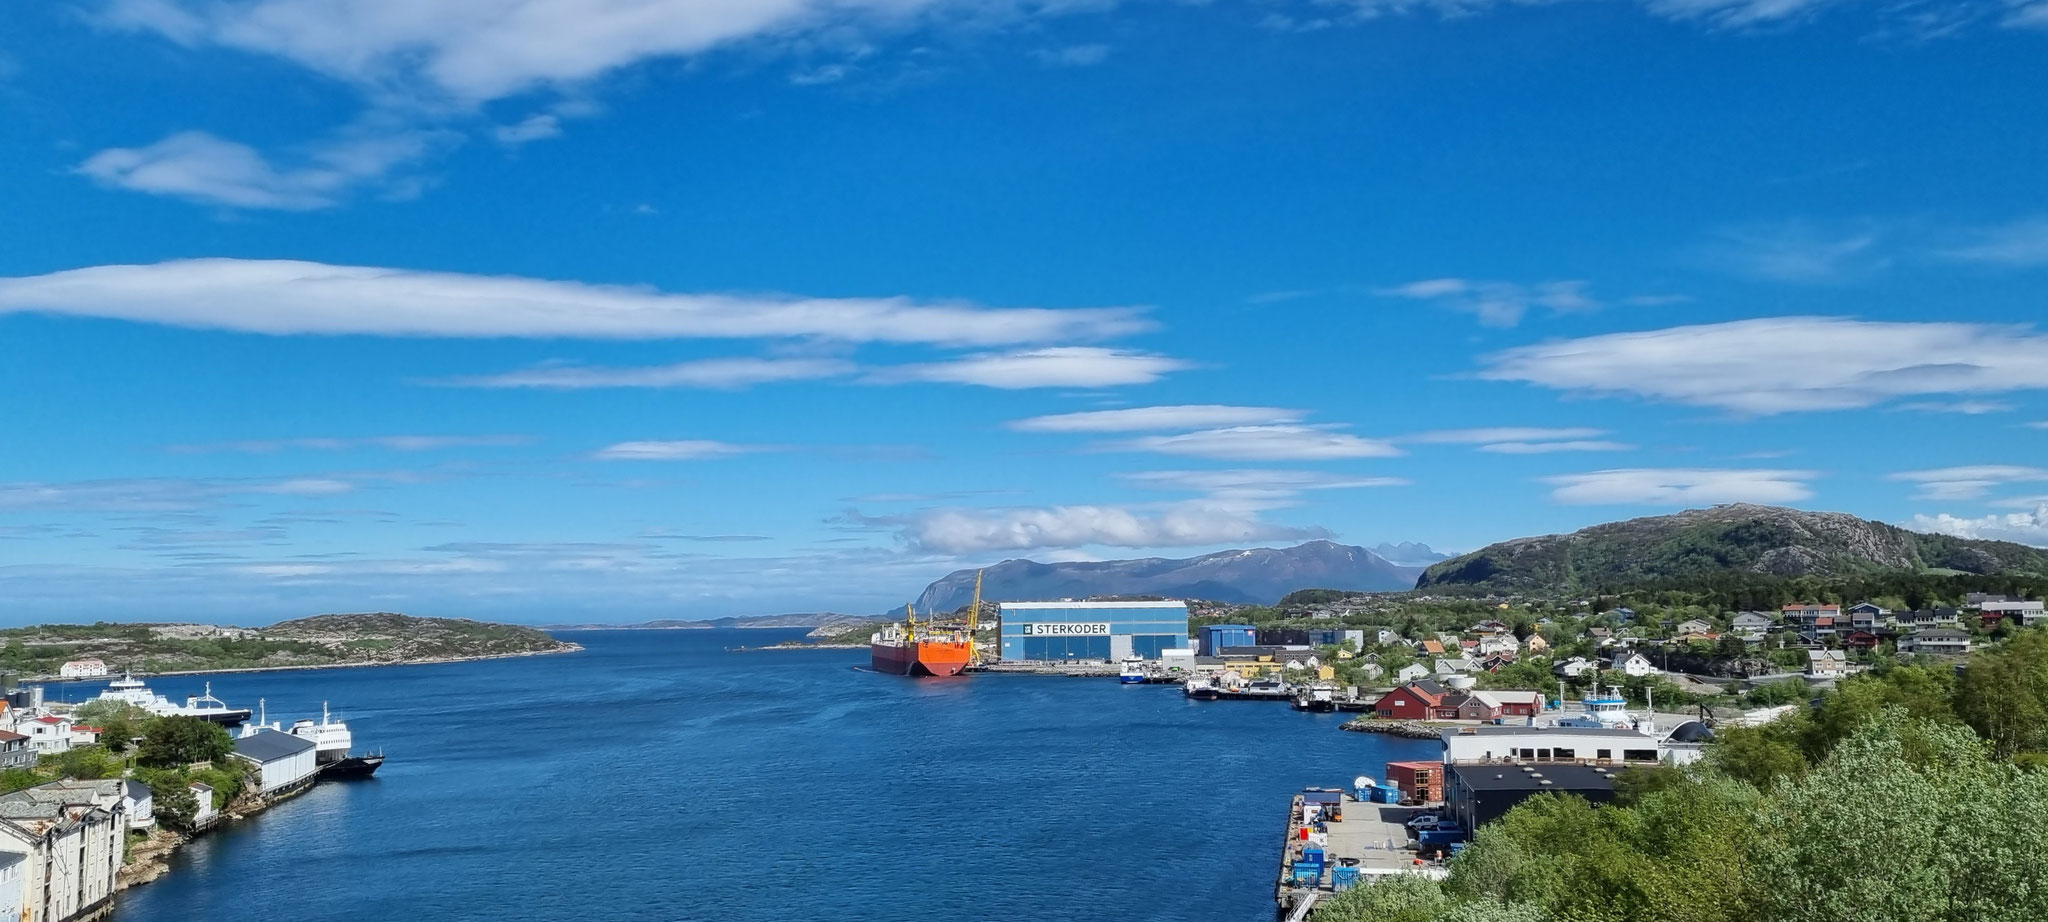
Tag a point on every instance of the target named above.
point(1422, 821)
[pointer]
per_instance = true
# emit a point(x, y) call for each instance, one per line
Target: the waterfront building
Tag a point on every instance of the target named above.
point(203, 815)
point(283, 762)
point(133, 798)
point(1109, 631)
point(11, 864)
point(83, 669)
point(70, 849)
point(1478, 794)
point(1215, 637)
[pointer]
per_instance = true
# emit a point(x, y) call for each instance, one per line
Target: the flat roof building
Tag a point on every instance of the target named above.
point(1475, 795)
point(1107, 631)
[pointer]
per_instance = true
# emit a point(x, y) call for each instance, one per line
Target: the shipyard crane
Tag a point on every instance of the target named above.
point(973, 617)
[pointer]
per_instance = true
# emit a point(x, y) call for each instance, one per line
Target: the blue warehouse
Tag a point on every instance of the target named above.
point(1043, 631)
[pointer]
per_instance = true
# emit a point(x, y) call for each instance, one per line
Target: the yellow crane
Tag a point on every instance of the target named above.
point(973, 616)
point(909, 622)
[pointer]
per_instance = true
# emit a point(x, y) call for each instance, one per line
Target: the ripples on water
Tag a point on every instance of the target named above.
point(658, 777)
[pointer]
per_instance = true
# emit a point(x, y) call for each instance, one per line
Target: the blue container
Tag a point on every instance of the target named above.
point(1445, 835)
point(1342, 879)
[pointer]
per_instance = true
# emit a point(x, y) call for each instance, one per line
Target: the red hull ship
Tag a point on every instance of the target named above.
point(903, 649)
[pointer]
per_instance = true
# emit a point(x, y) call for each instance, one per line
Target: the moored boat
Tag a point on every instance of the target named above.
point(1133, 672)
point(131, 691)
point(909, 649)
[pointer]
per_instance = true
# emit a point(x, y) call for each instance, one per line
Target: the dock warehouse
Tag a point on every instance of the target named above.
point(1111, 631)
point(1477, 794)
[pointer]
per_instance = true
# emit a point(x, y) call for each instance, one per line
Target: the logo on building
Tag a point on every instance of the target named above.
point(1067, 629)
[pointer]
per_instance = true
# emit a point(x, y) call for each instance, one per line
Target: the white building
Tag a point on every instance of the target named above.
point(1411, 673)
point(11, 864)
point(83, 669)
point(2028, 611)
point(1635, 665)
point(202, 794)
point(284, 762)
point(1594, 745)
point(1826, 664)
point(1575, 667)
point(48, 733)
point(70, 848)
point(1935, 640)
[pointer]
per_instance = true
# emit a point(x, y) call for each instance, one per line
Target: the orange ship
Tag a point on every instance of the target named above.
point(902, 649)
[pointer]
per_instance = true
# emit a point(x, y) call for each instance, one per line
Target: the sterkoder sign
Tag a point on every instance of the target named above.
point(1067, 629)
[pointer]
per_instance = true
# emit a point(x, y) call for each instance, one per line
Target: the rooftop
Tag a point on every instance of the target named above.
point(1615, 732)
point(271, 745)
point(1561, 777)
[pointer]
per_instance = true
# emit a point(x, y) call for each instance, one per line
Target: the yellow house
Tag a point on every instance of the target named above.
point(1536, 643)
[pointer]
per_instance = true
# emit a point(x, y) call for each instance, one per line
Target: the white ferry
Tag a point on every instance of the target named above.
point(130, 690)
point(1133, 672)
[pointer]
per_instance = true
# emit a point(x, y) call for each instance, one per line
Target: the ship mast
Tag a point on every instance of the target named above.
point(910, 622)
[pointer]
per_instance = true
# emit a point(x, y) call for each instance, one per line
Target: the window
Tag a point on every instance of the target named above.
point(1639, 755)
point(1605, 755)
point(1565, 754)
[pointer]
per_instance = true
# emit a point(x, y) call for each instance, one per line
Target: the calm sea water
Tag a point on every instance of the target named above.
point(658, 776)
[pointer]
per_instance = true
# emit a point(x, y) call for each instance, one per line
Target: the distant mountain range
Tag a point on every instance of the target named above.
point(1408, 554)
point(1257, 576)
point(1739, 538)
point(809, 619)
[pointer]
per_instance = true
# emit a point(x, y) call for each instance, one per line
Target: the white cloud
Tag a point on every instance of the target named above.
point(2041, 424)
point(1961, 407)
point(678, 450)
point(1497, 304)
point(718, 374)
point(155, 494)
point(2028, 16)
point(389, 442)
point(1503, 434)
point(962, 531)
point(1680, 486)
point(286, 297)
point(2020, 244)
point(2022, 527)
point(1264, 443)
point(1772, 365)
point(200, 167)
point(307, 486)
point(1061, 366)
point(1736, 14)
point(1141, 419)
point(1544, 448)
point(532, 128)
point(1969, 481)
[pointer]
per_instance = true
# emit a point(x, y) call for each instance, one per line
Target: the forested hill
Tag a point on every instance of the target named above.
point(1713, 545)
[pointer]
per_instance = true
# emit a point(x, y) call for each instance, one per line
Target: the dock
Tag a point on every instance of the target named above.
point(1367, 840)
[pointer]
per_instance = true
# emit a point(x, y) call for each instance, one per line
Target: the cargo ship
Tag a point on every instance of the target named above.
point(908, 649)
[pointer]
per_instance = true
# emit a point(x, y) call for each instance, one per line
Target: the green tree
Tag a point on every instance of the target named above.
point(84, 763)
point(176, 806)
point(2004, 695)
point(1390, 898)
point(182, 741)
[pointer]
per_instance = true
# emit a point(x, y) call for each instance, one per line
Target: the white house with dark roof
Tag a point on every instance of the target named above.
point(1940, 640)
point(284, 762)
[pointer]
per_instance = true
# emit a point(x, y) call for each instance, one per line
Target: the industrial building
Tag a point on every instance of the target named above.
point(1053, 631)
point(1216, 637)
point(1475, 795)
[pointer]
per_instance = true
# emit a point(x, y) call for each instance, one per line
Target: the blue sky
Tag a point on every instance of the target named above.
point(578, 310)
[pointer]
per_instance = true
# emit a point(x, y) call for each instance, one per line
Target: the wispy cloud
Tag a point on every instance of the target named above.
point(1497, 304)
point(1143, 419)
point(284, 297)
point(1961, 407)
point(1765, 366)
point(715, 374)
point(1522, 440)
point(200, 167)
point(963, 531)
point(1064, 366)
point(1680, 486)
point(677, 450)
point(1797, 251)
point(156, 494)
point(406, 443)
point(1073, 56)
point(2019, 244)
point(1969, 481)
point(1545, 448)
point(1264, 443)
point(1254, 484)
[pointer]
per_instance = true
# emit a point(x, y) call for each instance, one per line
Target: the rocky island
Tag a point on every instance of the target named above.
point(367, 639)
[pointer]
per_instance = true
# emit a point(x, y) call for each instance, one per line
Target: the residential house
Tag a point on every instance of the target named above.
point(1826, 664)
point(11, 865)
point(1866, 616)
point(1694, 626)
point(1603, 636)
point(1818, 620)
point(1412, 672)
point(1928, 617)
point(1495, 662)
point(1625, 614)
point(1433, 647)
point(1372, 671)
point(70, 848)
point(1575, 667)
point(1752, 625)
point(1498, 643)
point(1940, 640)
point(1456, 666)
point(1634, 665)
point(1536, 644)
point(82, 669)
point(15, 753)
point(1387, 637)
point(48, 733)
point(1412, 701)
point(2025, 611)
point(1490, 627)
point(1476, 705)
point(1859, 640)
